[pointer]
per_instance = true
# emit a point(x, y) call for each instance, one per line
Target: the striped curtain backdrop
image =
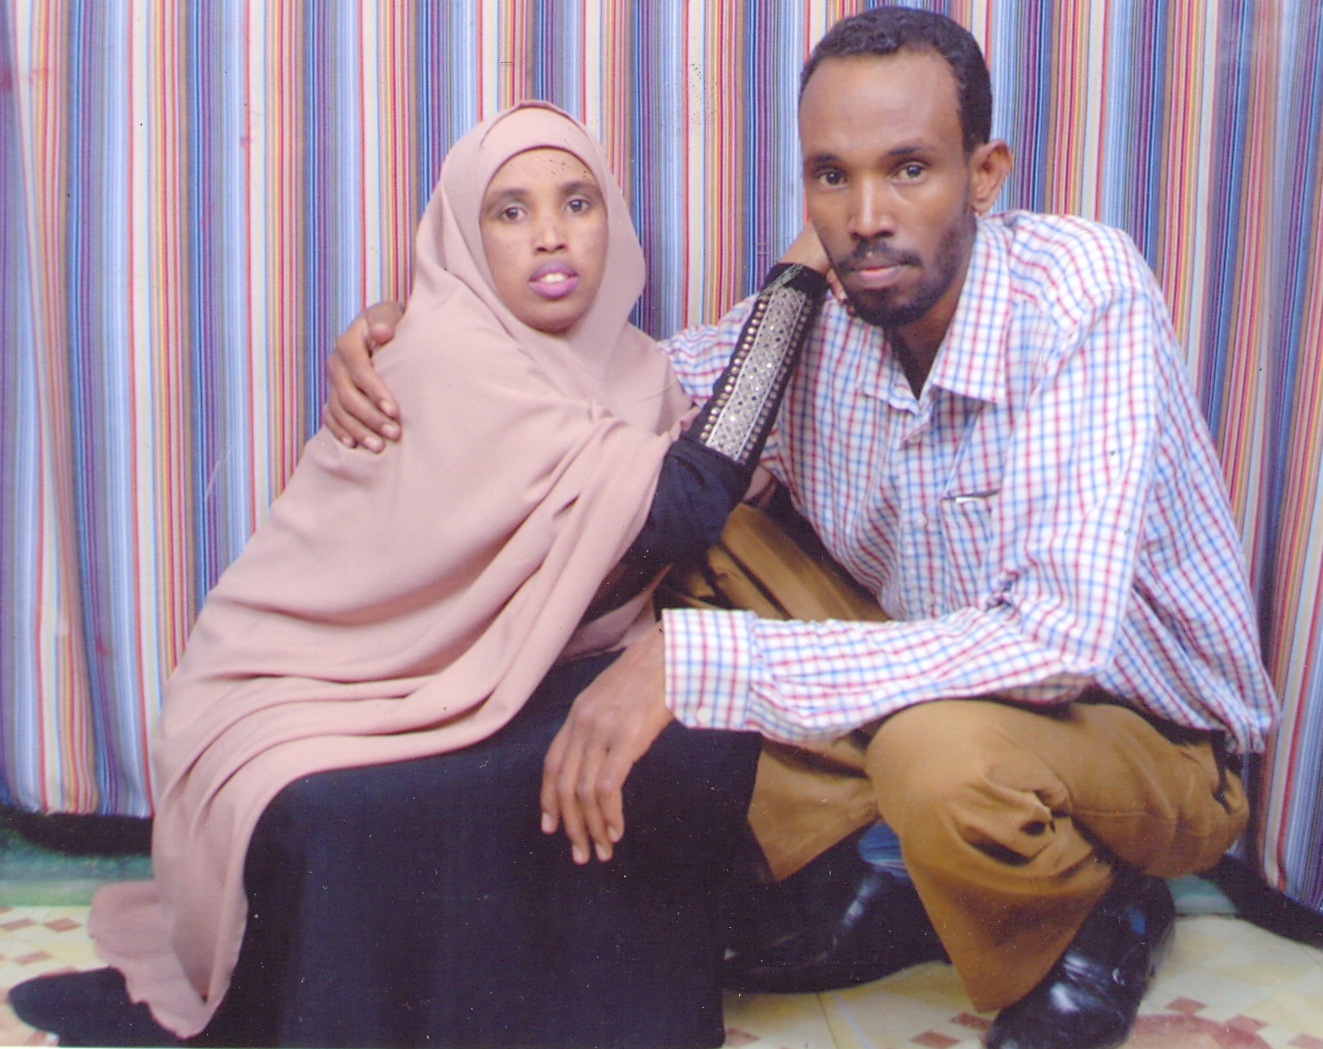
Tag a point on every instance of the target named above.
point(195, 197)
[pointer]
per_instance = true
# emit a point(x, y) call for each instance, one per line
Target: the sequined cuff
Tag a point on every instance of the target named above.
point(739, 415)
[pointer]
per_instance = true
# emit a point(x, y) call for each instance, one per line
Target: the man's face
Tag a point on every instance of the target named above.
point(887, 183)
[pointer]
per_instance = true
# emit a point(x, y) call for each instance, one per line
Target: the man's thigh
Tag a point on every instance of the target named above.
point(1045, 785)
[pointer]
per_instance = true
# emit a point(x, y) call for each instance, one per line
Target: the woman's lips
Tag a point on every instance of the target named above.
point(554, 281)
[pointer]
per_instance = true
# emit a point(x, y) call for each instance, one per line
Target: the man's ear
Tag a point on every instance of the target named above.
point(989, 164)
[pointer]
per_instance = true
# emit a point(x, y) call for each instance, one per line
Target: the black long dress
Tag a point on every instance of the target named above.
point(419, 903)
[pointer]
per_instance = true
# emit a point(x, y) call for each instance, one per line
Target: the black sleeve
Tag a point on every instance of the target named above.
point(708, 470)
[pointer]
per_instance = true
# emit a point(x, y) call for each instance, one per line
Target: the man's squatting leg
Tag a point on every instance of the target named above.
point(1012, 820)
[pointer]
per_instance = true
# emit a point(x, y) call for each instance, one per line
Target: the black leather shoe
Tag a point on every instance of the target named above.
point(1090, 998)
point(88, 1008)
point(856, 924)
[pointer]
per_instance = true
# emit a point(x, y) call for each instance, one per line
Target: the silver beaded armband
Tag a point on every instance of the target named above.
point(739, 415)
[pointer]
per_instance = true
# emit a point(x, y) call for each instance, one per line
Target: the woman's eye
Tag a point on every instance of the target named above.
point(912, 171)
point(578, 205)
point(511, 214)
point(831, 178)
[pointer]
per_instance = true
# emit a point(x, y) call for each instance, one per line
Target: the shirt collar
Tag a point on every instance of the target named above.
point(971, 361)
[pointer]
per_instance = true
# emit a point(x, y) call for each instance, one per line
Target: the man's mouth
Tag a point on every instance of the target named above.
point(555, 280)
point(876, 277)
point(876, 271)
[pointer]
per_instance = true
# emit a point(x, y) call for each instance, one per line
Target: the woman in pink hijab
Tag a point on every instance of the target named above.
point(346, 844)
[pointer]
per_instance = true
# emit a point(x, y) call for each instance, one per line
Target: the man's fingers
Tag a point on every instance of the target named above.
point(611, 724)
point(337, 431)
point(365, 379)
point(566, 777)
point(360, 402)
point(350, 412)
point(590, 787)
point(382, 318)
point(838, 290)
point(610, 793)
point(550, 799)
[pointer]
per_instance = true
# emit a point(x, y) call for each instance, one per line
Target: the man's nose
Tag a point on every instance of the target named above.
point(872, 214)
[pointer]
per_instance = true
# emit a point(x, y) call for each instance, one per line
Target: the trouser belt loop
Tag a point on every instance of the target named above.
point(1219, 741)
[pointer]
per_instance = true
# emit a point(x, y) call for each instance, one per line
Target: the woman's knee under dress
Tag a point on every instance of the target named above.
point(420, 903)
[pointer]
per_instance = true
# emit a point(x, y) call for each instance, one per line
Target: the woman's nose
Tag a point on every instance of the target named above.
point(548, 235)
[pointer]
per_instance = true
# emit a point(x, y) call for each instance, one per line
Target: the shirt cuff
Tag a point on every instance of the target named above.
point(710, 666)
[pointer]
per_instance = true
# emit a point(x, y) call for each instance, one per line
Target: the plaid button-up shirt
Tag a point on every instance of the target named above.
point(1049, 513)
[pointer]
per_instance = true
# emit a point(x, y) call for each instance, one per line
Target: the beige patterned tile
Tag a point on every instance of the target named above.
point(934, 982)
point(879, 1017)
point(778, 1021)
point(35, 941)
point(1291, 1009)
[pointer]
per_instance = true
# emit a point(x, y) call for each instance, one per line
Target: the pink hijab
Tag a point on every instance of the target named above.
point(406, 604)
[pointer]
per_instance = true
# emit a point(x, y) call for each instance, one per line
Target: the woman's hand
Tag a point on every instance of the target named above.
point(359, 408)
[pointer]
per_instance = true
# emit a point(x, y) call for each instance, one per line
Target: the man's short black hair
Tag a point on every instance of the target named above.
point(886, 30)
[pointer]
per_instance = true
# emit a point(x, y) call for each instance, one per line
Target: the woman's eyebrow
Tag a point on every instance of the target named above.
point(582, 185)
point(512, 193)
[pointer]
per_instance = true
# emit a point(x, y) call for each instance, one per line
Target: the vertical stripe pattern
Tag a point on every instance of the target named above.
point(195, 198)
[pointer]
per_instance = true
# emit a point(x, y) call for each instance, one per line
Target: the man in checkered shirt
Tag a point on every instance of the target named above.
point(995, 435)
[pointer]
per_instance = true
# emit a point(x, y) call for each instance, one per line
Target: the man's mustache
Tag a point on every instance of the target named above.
point(874, 256)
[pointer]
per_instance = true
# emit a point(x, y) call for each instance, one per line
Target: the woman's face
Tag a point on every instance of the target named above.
point(543, 226)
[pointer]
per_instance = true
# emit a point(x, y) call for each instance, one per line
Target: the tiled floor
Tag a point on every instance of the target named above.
point(1226, 985)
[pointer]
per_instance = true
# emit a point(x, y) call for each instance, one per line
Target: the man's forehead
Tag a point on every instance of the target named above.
point(888, 101)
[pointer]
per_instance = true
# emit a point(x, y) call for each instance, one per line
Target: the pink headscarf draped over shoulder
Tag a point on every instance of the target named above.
point(406, 604)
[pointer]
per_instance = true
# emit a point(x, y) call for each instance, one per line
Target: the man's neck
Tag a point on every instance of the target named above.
point(915, 363)
point(916, 344)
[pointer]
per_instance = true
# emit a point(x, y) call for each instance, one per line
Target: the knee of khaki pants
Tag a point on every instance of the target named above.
point(949, 776)
point(1010, 818)
point(1024, 779)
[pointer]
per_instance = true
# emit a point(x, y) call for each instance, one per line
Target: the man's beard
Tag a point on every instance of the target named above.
point(887, 315)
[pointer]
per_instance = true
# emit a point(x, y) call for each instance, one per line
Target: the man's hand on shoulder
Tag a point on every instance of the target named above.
point(611, 725)
point(359, 408)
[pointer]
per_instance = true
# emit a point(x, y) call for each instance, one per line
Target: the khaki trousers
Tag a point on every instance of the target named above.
point(1011, 819)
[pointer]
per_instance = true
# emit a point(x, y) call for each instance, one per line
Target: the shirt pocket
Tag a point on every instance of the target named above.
point(967, 535)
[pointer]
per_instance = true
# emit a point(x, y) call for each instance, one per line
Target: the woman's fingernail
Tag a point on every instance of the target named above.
point(579, 854)
point(603, 853)
point(548, 823)
point(348, 442)
point(375, 443)
point(391, 430)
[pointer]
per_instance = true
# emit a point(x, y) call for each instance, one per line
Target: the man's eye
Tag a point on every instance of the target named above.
point(912, 171)
point(831, 178)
